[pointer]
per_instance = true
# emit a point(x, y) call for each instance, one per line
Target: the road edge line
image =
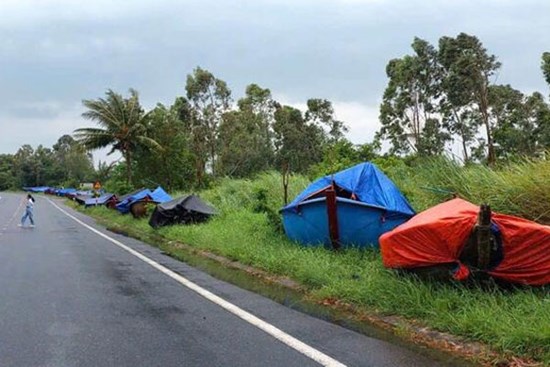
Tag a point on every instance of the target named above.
point(275, 332)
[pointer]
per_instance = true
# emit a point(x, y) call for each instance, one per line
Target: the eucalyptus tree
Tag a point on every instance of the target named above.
point(246, 134)
point(521, 122)
point(408, 113)
point(469, 69)
point(23, 166)
point(538, 111)
point(122, 126)
point(210, 98)
point(35, 167)
point(7, 179)
point(459, 115)
point(46, 168)
point(173, 165)
point(74, 162)
point(320, 112)
point(298, 144)
point(545, 66)
point(543, 128)
point(242, 149)
point(513, 130)
point(257, 112)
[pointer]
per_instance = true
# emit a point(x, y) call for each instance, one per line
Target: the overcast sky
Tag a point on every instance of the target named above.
point(54, 53)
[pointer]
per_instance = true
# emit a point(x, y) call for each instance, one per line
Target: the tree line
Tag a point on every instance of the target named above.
point(66, 163)
point(448, 93)
point(435, 97)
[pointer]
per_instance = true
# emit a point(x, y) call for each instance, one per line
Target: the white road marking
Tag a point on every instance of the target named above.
point(11, 219)
point(275, 332)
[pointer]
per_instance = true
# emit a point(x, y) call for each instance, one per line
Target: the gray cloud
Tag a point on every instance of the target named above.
point(42, 111)
point(58, 52)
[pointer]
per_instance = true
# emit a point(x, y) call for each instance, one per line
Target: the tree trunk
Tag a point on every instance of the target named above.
point(462, 135)
point(128, 158)
point(484, 108)
point(490, 147)
point(199, 166)
point(465, 149)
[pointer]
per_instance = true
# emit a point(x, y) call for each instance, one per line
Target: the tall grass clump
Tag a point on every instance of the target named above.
point(520, 188)
point(236, 194)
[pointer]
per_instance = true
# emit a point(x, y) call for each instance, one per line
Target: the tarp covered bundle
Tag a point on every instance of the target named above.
point(81, 199)
point(36, 189)
point(438, 236)
point(101, 200)
point(160, 196)
point(127, 196)
point(78, 193)
point(66, 192)
point(156, 196)
point(367, 204)
point(184, 210)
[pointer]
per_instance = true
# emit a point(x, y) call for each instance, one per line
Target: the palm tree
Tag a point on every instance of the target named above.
point(123, 125)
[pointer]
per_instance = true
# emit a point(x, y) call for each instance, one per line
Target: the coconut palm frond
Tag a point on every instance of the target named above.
point(123, 125)
point(93, 138)
point(149, 143)
point(102, 112)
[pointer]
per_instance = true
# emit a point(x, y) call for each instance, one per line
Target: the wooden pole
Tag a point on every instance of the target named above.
point(286, 175)
point(332, 218)
point(483, 234)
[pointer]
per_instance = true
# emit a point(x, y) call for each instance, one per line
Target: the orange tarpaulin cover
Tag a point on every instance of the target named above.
point(437, 236)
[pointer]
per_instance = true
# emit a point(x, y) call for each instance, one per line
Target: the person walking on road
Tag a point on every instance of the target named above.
point(28, 211)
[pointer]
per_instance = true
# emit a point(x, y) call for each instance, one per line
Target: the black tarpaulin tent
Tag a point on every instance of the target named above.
point(184, 210)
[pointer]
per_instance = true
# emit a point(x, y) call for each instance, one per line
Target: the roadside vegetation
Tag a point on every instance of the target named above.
point(512, 321)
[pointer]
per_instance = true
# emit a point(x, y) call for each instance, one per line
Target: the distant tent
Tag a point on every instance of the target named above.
point(156, 196)
point(124, 205)
point(129, 195)
point(101, 200)
point(50, 191)
point(67, 191)
point(81, 199)
point(184, 210)
point(160, 196)
point(77, 193)
point(36, 189)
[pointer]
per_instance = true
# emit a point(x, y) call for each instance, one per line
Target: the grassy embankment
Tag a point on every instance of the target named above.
point(511, 322)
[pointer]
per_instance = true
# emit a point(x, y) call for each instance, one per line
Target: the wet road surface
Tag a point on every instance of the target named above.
point(70, 296)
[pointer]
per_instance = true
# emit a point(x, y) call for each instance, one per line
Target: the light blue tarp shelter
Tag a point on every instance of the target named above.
point(160, 196)
point(101, 200)
point(36, 188)
point(157, 196)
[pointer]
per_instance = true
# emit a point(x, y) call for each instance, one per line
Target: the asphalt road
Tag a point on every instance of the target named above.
point(70, 296)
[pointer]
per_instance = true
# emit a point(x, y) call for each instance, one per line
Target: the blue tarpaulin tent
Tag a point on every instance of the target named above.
point(367, 204)
point(160, 196)
point(65, 192)
point(36, 189)
point(101, 200)
point(124, 206)
point(156, 196)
